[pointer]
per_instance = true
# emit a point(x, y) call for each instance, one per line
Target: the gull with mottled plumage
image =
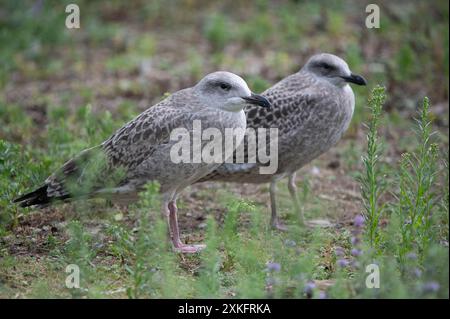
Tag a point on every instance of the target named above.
point(139, 152)
point(311, 109)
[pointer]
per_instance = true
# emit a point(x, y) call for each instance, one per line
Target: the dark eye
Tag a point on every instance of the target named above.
point(225, 86)
point(327, 66)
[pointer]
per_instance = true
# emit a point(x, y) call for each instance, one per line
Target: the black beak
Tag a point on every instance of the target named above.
point(354, 78)
point(257, 100)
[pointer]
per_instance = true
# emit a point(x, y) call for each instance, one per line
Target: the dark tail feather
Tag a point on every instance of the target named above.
point(37, 197)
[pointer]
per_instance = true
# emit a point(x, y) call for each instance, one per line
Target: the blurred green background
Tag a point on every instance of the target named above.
point(63, 90)
point(141, 49)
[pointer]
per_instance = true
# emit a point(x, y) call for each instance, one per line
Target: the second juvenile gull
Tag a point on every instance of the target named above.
point(311, 109)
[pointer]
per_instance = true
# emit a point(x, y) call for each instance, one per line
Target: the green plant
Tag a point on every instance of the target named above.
point(371, 184)
point(417, 198)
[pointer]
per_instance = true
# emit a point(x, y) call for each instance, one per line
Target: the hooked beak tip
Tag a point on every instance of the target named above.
point(356, 79)
point(257, 99)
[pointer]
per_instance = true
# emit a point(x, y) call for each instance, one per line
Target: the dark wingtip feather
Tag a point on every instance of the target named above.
point(36, 197)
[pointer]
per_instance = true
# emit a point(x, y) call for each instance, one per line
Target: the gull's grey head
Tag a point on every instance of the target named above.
point(228, 92)
point(333, 69)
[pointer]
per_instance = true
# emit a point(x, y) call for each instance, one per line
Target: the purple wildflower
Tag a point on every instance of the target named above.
point(309, 289)
point(322, 295)
point(358, 221)
point(343, 262)
point(356, 252)
point(355, 240)
point(273, 267)
point(431, 286)
point(417, 272)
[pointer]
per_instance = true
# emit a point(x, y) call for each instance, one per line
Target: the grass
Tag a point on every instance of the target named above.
point(244, 258)
point(65, 91)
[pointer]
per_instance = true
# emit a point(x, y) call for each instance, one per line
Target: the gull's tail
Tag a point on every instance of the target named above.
point(37, 197)
point(83, 176)
point(33, 198)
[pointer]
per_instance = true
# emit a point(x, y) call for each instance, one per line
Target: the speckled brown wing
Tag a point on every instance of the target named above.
point(94, 168)
point(287, 99)
point(138, 139)
point(293, 111)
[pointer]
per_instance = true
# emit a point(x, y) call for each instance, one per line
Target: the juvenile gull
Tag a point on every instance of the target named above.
point(139, 152)
point(311, 109)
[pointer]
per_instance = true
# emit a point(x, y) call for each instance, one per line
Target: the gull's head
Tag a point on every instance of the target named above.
point(333, 69)
point(228, 92)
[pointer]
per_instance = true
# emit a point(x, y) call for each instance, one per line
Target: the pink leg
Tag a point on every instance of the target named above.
point(174, 232)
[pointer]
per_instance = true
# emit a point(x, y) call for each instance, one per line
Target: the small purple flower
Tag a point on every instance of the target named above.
point(339, 251)
point(355, 240)
point(273, 267)
point(417, 272)
point(309, 289)
point(431, 286)
point(358, 221)
point(343, 262)
point(356, 252)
